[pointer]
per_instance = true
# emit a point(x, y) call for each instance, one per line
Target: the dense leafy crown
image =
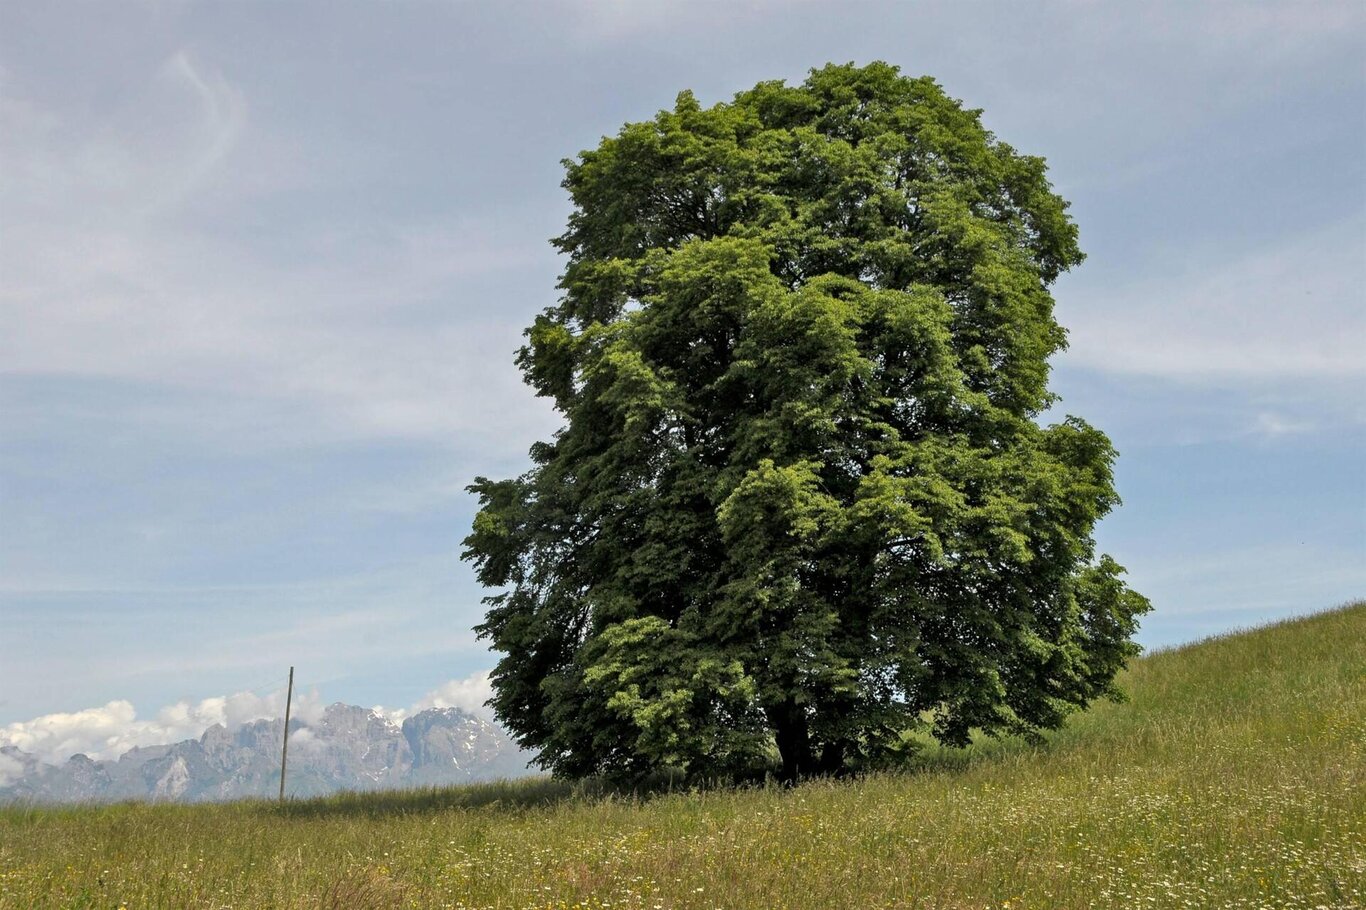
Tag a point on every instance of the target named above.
point(800, 507)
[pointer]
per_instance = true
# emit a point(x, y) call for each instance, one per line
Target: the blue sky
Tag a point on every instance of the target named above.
point(263, 268)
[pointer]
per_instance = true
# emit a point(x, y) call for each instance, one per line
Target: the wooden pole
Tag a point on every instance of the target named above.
point(284, 751)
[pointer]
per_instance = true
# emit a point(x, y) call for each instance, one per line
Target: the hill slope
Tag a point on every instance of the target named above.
point(1235, 777)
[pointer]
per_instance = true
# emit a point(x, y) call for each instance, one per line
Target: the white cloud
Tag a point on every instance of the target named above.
point(467, 694)
point(304, 741)
point(1295, 311)
point(54, 737)
point(10, 770)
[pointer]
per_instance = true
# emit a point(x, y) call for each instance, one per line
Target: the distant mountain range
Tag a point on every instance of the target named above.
point(350, 748)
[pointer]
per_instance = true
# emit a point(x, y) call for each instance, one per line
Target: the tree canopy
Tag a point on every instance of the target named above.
point(801, 506)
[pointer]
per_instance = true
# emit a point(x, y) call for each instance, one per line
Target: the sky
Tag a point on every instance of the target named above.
point(263, 268)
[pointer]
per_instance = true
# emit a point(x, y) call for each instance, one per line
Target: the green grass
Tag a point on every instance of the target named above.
point(1234, 777)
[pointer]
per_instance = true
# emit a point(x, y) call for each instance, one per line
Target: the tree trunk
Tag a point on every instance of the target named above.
point(832, 758)
point(793, 739)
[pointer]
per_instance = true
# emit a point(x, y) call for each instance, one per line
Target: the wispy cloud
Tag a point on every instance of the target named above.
point(1296, 310)
point(366, 324)
point(139, 159)
point(1272, 424)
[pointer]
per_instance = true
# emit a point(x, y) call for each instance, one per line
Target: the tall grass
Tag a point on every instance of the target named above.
point(1235, 777)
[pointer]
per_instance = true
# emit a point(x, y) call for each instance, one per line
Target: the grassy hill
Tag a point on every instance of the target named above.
point(1235, 777)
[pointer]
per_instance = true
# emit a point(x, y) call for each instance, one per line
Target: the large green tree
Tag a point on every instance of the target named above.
point(801, 506)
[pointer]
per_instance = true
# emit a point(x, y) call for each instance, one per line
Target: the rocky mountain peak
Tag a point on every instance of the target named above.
point(347, 748)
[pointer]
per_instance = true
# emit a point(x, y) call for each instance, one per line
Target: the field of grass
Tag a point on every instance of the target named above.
point(1235, 777)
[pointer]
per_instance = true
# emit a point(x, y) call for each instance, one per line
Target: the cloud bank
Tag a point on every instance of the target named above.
point(112, 729)
point(108, 731)
point(468, 694)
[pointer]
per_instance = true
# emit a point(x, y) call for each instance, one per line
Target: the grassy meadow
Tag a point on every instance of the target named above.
point(1235, 777)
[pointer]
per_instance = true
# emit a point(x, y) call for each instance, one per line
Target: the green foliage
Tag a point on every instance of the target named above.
point(800, 501)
